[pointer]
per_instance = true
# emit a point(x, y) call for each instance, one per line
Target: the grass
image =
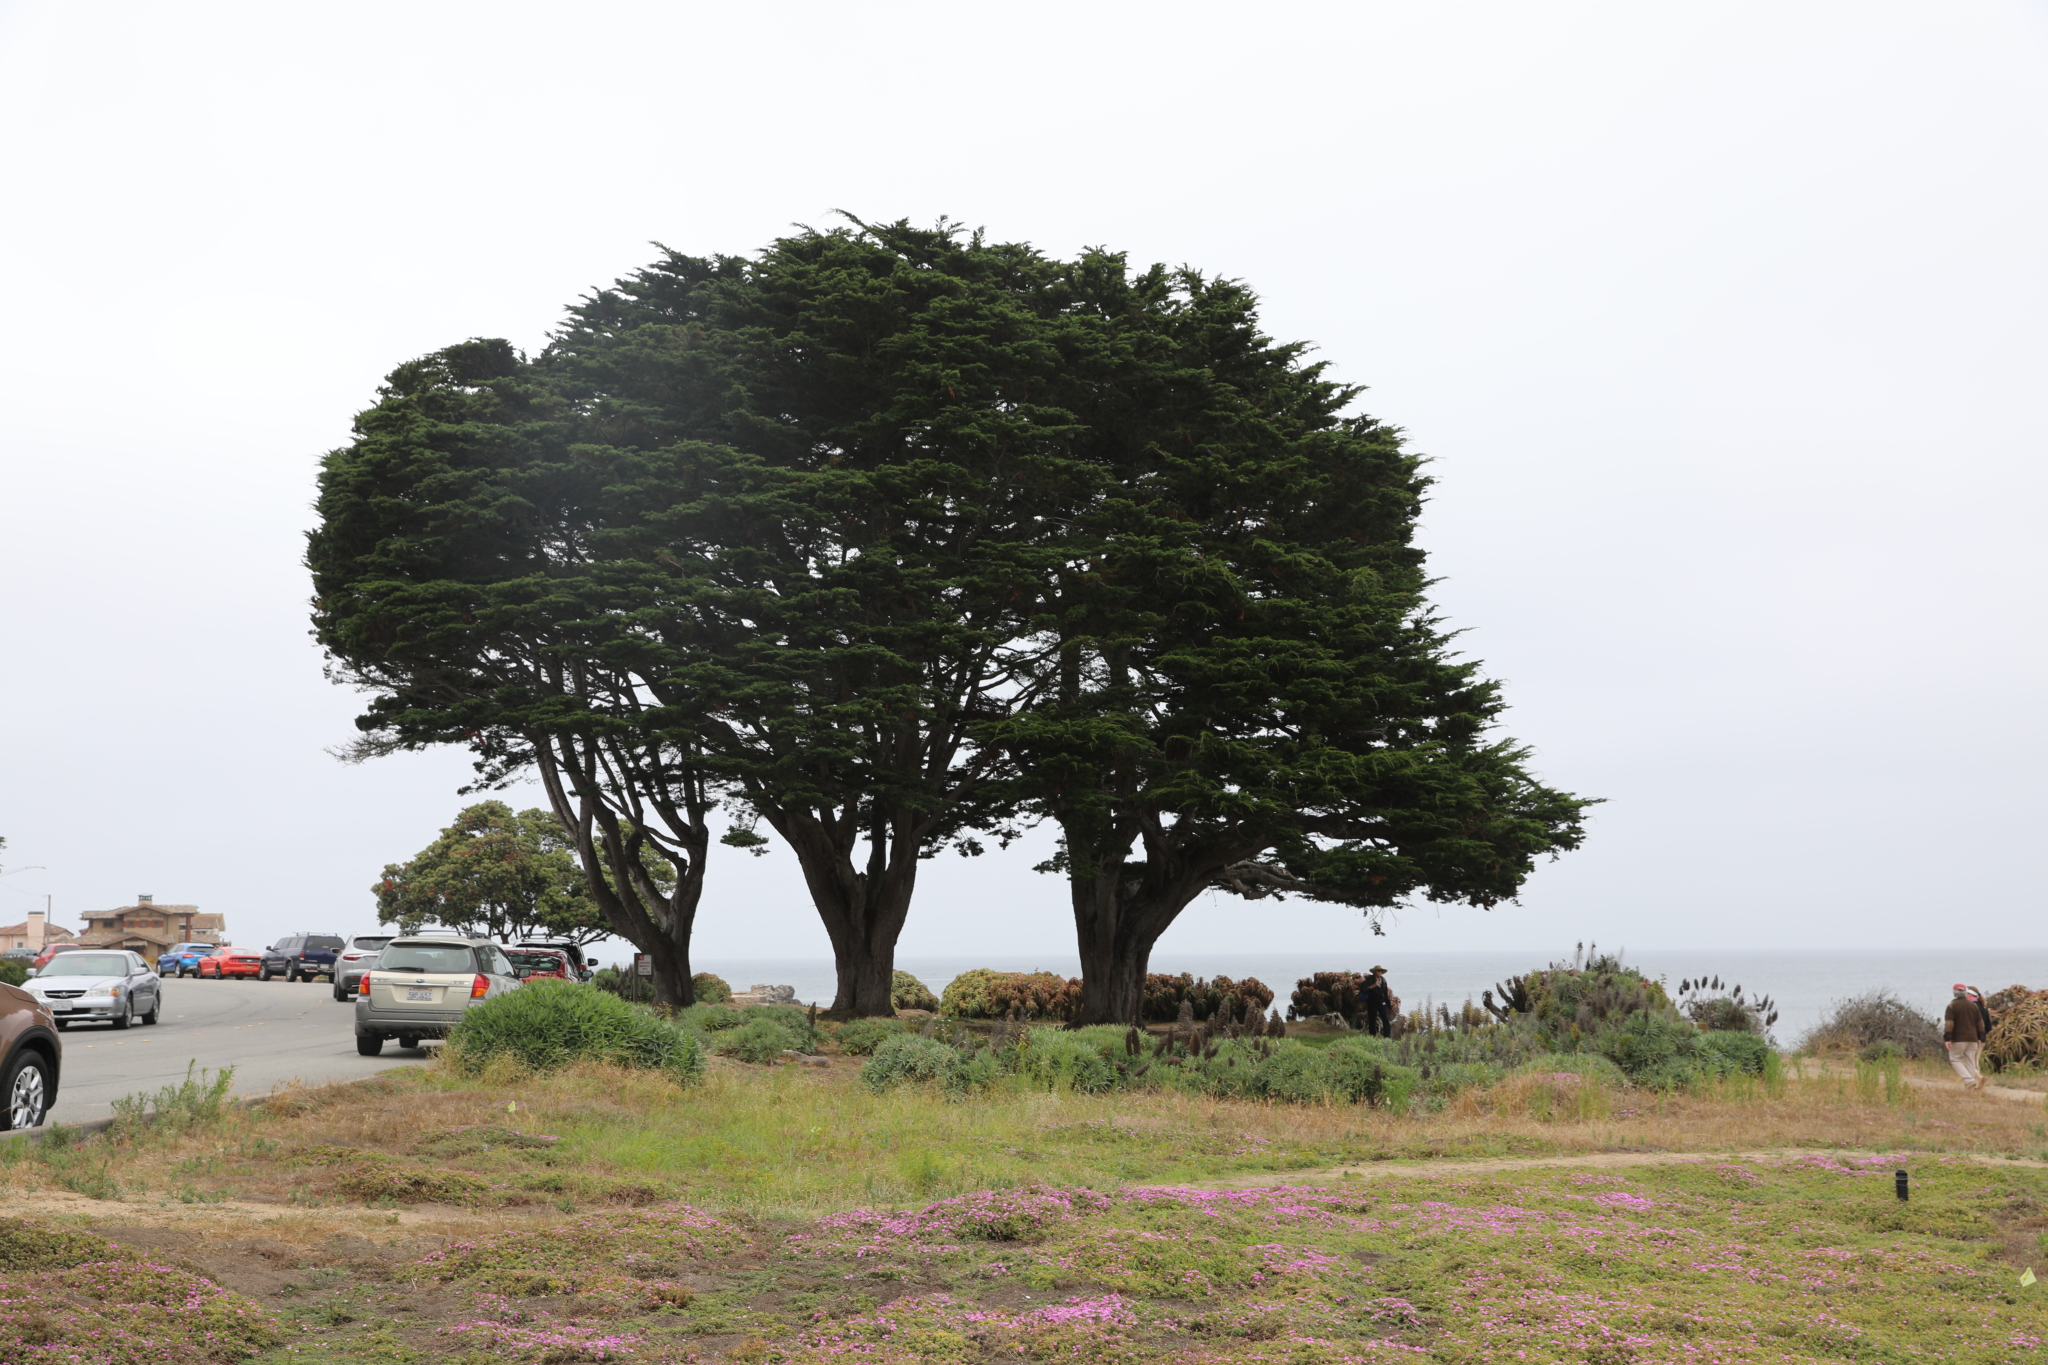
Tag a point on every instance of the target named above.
point(793, 1215)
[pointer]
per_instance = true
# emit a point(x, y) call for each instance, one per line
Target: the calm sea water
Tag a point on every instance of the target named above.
point(1803, 984)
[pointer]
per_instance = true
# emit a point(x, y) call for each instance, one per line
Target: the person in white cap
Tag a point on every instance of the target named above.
point(1962, 1032)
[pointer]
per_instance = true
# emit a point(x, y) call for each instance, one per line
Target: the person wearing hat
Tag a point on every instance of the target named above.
point(1379, 1004)
point(1963, 1028)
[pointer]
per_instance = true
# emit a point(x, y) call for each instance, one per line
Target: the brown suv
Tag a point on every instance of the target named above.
point(30, 1055)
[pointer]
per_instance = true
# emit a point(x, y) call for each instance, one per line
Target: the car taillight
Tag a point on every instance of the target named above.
point(364, 989)
point(479, 988)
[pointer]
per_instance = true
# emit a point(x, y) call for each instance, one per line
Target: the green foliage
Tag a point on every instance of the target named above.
point(762, 1037)
point(26, 1246)
point(906, 992)
point(495, 873)
point(1732, 1052)
point(710, 1018)
point(1882, 1050)
point(710, 989)
point(1567, 1003)
point(175, 1109)
point(13, 971)
point(861, 1037)
point(1164, 995)
point(985, 994)
point(547, 1024)
point(905, 1059)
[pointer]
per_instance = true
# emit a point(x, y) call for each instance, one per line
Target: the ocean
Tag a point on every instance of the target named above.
point(1802, 984)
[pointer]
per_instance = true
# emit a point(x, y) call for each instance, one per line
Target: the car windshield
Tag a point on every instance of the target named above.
point(527, 957)
point(372, 940)
point(323, 942)
point(87, 964)
point(426, 957)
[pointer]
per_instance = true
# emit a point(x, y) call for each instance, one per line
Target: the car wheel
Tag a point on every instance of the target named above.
point(127, 1015)
point(156, 1005)
point(337, 993)
point(25, 1092)
point(368, 1044)
point(263, 972)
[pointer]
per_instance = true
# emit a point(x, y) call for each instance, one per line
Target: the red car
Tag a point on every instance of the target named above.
point(225, 962)
point(529, 963)
point(43, 958)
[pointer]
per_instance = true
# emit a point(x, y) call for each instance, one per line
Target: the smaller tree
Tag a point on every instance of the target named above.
point(494, 872)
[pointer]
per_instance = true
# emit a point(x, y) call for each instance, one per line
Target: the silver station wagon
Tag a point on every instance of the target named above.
point(422, 985)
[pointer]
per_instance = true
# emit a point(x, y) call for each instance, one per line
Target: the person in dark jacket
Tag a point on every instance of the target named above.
point(1963, 1029)
point(1379, 1004)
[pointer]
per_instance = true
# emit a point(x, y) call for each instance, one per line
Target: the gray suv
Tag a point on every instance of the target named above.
point(422, 985)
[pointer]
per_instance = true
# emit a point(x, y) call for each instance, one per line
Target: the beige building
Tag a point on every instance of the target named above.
point(149, 928)
point(34, 933)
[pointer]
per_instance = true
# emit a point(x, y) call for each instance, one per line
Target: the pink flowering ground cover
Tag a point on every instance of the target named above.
point(1711, 1262)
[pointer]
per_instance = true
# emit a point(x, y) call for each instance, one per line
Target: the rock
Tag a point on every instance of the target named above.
point(759, 994)
point(1337, 1021)
point(805, 1058)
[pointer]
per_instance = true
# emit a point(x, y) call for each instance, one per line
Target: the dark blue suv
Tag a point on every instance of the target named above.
point(301, 957)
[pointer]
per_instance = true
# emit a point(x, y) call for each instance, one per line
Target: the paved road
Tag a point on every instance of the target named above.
point(268, 1031)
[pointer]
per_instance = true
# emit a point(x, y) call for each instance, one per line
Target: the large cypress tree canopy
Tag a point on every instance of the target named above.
point(889, 537)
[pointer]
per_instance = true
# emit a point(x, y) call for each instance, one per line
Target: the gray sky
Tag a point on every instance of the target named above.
point(1724, 324)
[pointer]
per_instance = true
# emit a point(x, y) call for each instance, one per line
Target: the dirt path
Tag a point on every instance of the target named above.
point(1380, 1170)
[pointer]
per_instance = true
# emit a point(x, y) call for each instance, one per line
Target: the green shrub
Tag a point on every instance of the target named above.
point(178, 1108)
point(547, 1024)
point(709, 989)
point(1732, 1052)
point(1077, 1059)
point(762, 1039)
point(1652, 1047)
point(985, 994)
point(710, 1018)
point(862, 1036)
point(13, 971)
point(906, 992)
point(907, 1057)
point(1568, 1003)
point(1882, 1050)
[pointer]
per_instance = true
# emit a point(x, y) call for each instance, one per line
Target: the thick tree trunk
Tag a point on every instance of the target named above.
point(863, 912)
point(1115, 926)
point(1121, 909)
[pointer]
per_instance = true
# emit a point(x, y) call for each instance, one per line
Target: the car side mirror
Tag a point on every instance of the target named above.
point(33, 970)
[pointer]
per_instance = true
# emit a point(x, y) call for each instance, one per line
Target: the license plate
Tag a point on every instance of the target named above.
point(419, 993)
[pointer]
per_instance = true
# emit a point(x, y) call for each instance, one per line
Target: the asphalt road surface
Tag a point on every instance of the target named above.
point(270, 1032)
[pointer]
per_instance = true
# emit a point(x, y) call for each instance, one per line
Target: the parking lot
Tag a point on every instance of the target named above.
point(270, 1032)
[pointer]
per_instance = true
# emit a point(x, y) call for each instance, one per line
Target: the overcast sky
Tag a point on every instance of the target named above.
point(1726, 325)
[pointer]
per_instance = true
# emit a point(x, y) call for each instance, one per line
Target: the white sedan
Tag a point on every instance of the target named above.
point(105, 985)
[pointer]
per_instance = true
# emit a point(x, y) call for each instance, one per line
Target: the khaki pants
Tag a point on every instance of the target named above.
point(1963, 1057)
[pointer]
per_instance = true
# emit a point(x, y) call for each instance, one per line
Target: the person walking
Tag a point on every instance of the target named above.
point(1379, 1004)
point(1963, 1027)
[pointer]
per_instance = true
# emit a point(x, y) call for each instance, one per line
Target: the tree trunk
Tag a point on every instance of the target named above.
point(863, 912)
point(1121, 908)
point(1116, 923)
point(658, 925)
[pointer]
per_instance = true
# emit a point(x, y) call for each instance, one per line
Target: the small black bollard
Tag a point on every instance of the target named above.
point(1899, 1181)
